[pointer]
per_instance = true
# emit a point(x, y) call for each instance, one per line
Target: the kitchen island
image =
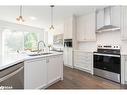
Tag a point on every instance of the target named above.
point(39, 71)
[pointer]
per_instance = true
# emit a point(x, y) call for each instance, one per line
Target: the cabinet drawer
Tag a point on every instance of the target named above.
point(82, 58)
point(83, 66)
point(83, 53)
point(86, 58)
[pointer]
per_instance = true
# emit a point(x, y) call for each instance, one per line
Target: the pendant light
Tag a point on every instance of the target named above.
point(51, 27)
point(20, 17)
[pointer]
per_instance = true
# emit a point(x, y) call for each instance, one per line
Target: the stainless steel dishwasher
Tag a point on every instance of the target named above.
point(12, 77)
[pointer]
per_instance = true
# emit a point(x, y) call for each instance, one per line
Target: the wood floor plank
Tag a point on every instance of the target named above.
point(76, 79)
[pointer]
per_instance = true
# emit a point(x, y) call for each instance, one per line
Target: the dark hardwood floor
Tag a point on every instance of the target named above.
point(76, 79)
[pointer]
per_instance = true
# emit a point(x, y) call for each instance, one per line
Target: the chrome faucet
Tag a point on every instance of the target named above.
point(39, 45)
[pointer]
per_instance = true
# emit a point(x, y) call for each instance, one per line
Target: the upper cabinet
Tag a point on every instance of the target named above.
point(124, 23)
point(115, 16)
point(86, 27)
point(69, 28)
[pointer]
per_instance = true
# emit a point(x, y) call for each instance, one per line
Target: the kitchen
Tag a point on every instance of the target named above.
point(86, 41)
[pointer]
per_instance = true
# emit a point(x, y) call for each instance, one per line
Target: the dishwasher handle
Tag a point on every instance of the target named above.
point(11, 74)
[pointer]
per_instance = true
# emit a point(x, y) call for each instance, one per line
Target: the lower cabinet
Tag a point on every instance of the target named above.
point(124, 69)
point(68, 57)
point(83, 61)
point(35, 73)
point(54, 69)
point(42, 72)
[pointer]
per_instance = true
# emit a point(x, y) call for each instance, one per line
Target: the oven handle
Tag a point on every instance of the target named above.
point(107, 55)
point(11, 74)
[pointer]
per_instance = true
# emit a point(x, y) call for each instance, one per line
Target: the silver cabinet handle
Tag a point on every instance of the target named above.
point(11, 74)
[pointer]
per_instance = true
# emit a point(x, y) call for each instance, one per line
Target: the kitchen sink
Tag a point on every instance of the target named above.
point(38, 54)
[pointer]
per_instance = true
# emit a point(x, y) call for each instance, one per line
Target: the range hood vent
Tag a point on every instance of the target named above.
point(107, 22)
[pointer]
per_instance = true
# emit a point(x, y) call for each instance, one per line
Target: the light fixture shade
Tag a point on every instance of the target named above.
point(20, 17)
point(51, 27)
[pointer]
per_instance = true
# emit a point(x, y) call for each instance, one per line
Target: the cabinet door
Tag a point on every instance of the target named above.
point(65, 56)
point(60, 65)
point(115, 16)
point(84, 61)
point(86, 27)
point(125, 68)
point(53, 67)
point(68, 29)
point(69, 57)
point(124, 23)
point(90, 27)
point(100, 18)
point(35, 73)
point(81, 26)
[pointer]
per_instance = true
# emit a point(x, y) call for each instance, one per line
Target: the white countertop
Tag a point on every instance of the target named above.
point(12, 59)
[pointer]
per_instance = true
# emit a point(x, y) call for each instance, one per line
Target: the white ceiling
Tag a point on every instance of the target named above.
point(42, 13)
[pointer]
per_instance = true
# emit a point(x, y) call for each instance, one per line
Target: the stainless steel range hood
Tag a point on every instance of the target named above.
point(107, 22)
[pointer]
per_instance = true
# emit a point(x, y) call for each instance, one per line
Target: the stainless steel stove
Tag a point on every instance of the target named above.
point(107, 62)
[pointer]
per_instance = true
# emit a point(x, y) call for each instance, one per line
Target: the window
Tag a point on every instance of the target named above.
point(30, 41)
point(12, 41)
point(18, 40)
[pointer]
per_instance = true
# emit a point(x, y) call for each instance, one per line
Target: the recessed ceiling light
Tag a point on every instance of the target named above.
point(32, 18)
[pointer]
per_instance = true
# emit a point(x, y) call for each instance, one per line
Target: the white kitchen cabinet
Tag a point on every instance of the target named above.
point(124, 69)
point(54, 68)
point(35, 74)
point(115, 15)
point(99, 18)
point(83, 61)
point(68, 57)
point(68, 28)
point(124, 22)
point(42, 72)
point(86, 27)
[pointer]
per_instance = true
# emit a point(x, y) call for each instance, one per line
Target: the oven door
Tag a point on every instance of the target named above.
point(107, 62)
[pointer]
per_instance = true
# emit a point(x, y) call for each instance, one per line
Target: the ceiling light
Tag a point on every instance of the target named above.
point(33, 18)
point(51, 26)
point(20, 17)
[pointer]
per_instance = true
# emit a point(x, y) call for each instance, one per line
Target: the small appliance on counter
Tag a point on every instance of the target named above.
point(107, 62)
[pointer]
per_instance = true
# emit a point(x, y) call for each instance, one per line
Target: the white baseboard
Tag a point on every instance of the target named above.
point(68, 66)
point(88, 71)
point(49, 84)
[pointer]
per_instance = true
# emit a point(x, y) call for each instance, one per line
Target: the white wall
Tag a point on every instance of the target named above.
point(87, 46)
point(110, 38)
point(107, 38)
